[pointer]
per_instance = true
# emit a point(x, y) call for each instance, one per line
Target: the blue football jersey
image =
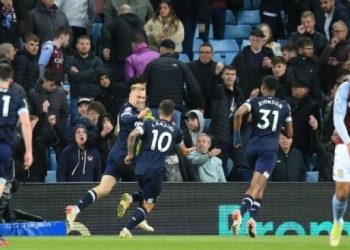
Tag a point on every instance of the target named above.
point(158, 138)
point(127, 121)
point(269, 114)
point(11, 106)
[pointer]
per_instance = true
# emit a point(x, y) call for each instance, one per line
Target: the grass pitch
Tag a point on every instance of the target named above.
point(174, 243)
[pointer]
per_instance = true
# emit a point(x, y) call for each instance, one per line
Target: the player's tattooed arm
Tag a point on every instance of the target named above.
point(131, 145)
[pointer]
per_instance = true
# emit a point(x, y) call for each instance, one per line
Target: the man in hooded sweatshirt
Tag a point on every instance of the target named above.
point(79, 162)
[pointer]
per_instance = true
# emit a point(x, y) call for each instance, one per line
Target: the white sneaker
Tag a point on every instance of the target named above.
point(236, 222)
point(124, 204)
point(252, 228)
point(125, 233)
point(71, 214)
point(145, 227)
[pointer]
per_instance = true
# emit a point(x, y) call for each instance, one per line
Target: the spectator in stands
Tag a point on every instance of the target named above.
point(83, 73)
point(79, 162)
point(217, 17)
point(45, 19)
point(106, 137)
point(26, 64)
point(3, 59)
point(331, 11)
point(206, 161)
point(51, 56)
point(136, 63)
point(7, 51)
point(80, 15)
point(8, 23)
point(49, 97)
point(191, 13)
point(83, 105)
point(143, 9)
point(279, 68)
point(227, 97)
point(117, 34)
point(289, 51)
point(99, 6)
point(269, 40)
point(112, 95)
point(253, 63)
point(295, 8)
point(195, 126)
point(270, 13)
point(307, 29)
point(290, 162)
point(305, 68)
point(334, 54)
point(165, 80)
point(207, 73)
point(302, 107)
point(164, 25)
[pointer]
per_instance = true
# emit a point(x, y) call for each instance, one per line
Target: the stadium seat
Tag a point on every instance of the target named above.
point(230, 18)
point(282, 41)
point(250, 17)
point(184, 58)
point(210, 35)
point(51, 176)
point(256, 4)
point(225, 57)
point(247, 5)
point(207, 122)
point(224, 45)
point(196, 44)
point(237, 32)
point(245, 43)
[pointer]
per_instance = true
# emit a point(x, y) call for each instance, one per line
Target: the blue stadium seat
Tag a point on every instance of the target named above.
point(250, 17)
point(196, 44)
point(224, 45)
point(184, 58)
point(237, 32)
point(282, 41)
point(245, 43)
point(51, 176)
point(210, 35)
point(230, 18)
point(225, 57)
point(207, 122)
point(256, 4)
point(247, 5)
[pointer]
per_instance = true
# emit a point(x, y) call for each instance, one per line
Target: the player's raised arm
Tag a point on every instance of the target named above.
point(237, 123)
point(131, 144)
point(27, 136)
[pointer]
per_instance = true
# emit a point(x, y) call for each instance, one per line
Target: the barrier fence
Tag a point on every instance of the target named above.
point(190, 208)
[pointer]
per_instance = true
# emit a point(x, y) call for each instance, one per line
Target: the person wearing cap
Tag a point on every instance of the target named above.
point(253, 63)
point(165, 24)
point(79, 162)
point(82, 69)
point(303, 108)
point(165, 80)
point(83, 104)
point(50, 97)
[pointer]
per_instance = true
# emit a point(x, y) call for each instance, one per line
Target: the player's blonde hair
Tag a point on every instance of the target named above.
point(138, 86)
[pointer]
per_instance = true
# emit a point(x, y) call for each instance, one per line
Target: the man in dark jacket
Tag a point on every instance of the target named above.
point(26, 65)
point(290, 162)
point(208, 74)
point(45, 19)
point(253, 63)
point(226, 100)
point(116, 40)
point(79, 162)
point(165, 80)
point(50, 97)
point(83, 72)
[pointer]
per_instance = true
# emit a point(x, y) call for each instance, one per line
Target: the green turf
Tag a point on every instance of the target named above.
point(174, 243)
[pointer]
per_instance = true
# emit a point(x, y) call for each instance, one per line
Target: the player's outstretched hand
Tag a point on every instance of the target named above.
point(28, 160)
point(128, 159)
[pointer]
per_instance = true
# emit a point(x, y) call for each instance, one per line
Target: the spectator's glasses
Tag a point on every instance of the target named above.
point(205, 52)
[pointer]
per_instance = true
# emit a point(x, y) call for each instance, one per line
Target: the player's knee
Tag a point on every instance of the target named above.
point(148, 206)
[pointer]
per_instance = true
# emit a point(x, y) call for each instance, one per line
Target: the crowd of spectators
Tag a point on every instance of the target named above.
point(75, 88)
